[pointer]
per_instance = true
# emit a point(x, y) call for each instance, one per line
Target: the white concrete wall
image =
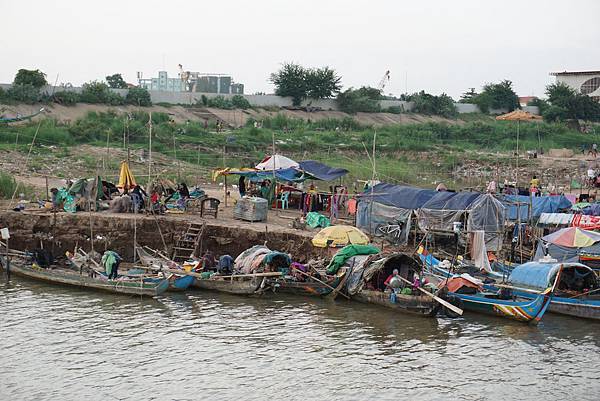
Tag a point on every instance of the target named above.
point(189, 98)
point(575, 82)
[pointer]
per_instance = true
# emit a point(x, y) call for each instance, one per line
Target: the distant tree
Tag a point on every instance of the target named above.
point(290, 81)
point(469, 96)
point(425, 103)
point(322, 83)
point(559, 93)
point(35, 78)
point(138, 96)
point(99, 92)
point(364, 99)
point(116, 81)
point(497, 96)
point(541, 104)
point(66, 98)
point(568, 104)
point(240, 102)
point(24, 93)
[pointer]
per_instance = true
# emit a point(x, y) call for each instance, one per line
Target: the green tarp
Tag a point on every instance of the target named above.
point(346, 253)
point(314, 220)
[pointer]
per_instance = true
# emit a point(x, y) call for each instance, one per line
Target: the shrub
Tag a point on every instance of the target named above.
point(394, 110)
point(364, 99)
point(219, 102)
point(204, 100)
point(98, 92)
point(24, 93)
point(138, 96)
point(240, 102)
point(66, 98)
point(7, 185)
point(441, 105)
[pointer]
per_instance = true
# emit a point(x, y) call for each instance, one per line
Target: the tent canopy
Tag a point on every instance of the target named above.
point(539, 205)
point(399, 196)
point(276, 162)
point(126, 178)
point(321, 171)
point(451, 200)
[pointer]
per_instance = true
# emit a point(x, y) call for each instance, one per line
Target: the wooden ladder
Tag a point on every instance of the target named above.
point(188, 243)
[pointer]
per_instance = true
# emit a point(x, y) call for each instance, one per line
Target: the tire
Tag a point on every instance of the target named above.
point(456, 301)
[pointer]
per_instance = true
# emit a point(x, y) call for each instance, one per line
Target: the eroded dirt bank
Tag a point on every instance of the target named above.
point(64, 231)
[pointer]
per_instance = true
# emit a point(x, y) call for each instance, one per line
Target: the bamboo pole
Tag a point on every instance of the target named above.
point(149, 150)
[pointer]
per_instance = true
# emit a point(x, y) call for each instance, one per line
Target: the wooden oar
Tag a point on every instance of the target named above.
point(319, 281)
point(447, 304)
point(337, 289)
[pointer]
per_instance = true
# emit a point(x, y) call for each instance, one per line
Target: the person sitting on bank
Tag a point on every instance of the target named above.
point(57, 203)
point(242, 186)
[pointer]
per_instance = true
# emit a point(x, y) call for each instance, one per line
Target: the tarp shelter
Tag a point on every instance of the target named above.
point(126, 178)
point(276, 162)
point(390, 204)
point(481, 212)
point(86, 188)
point(518, 205)
point(321, 171)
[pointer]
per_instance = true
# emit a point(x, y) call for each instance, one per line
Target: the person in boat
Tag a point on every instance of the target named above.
point(392, 280)
point(225, 266)
point(111, 261)
point(208, 262)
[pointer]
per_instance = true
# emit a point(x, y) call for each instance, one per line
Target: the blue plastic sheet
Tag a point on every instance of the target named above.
point(322, 171)
point(540, 204)
point(399, 196)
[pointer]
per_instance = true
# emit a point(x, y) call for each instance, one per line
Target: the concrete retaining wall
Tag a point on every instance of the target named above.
point(189, 98)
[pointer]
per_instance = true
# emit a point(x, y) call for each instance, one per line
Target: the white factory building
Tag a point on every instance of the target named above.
point(585, 82)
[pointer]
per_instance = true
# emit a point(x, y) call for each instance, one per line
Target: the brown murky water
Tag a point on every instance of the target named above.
point(59, 343)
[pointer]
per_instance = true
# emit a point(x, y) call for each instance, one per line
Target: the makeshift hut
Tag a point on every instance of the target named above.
point(259, 258)
point(390, 204)
point(276, 162)
point(474, 211)
point(374, 274)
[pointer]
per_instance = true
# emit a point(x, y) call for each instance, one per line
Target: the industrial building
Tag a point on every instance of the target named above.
point(584, 82)
point(187, 81)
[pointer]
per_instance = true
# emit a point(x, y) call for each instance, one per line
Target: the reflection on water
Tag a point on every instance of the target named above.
point(67, 344)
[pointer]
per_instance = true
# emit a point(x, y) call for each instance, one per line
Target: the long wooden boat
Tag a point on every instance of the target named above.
point(243, 285)
point(421, 305)
point(76, 278)
point(577, 293)
point(529, 311)
point(366, 285)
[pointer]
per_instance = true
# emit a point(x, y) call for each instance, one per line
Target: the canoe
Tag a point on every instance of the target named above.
point(143, 287)
point(529, 311)
point(310, 287)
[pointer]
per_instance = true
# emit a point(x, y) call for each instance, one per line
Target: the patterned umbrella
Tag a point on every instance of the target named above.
point(573, 237)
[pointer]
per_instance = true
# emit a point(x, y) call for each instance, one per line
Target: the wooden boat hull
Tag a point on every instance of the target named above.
point(235, 286)
point(529, 311)
point(304, 288)
point(181, 283)
point(583, 308)
point(420, 305)
point(61, 276)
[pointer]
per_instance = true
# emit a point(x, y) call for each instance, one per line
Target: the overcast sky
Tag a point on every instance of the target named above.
point(435, 45)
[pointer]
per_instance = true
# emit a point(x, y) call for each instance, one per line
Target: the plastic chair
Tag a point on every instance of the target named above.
point(284, 199)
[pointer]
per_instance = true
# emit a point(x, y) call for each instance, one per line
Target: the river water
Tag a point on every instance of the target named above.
point(60, 343)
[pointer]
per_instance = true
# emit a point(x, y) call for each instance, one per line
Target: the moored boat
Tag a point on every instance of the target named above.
point(69, 276)
point(366, 284)
point(178, 278)
point(577, 291)
point(471, 296)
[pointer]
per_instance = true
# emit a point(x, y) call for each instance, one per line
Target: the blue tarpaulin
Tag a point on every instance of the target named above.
point(286, 174)
point(322, 171)
point(399, 196)
point(451, 200)
point(540, 204)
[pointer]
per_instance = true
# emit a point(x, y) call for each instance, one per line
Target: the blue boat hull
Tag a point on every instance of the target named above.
point(182, 283)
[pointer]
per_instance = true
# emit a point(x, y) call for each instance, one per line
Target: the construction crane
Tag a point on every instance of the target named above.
point(384, 80)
